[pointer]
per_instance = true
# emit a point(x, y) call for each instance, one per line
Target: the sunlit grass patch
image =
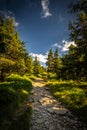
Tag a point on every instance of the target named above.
point(31, 76)
point(51, 77)
point(72, 94)
point(24, 91)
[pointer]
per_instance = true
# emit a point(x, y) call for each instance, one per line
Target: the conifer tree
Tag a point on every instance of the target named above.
point(12, 51)
point(56, 60)
point(50, 61)
point(37, 66)
point(79, 35)
point(29, 64)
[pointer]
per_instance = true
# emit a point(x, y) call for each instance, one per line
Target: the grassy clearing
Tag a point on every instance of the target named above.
point(73, 95)
point(13, 93)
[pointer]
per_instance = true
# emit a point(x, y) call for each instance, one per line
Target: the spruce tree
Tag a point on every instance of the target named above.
point(37, 66)
point(79, 35)
point(56, 60)
point(12, 50)
point(29, 64)
point(50, 61)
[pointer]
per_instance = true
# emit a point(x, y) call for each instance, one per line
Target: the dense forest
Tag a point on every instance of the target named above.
point(13, 54)
point(18, 68)
point(73, 64)
point(15, 58)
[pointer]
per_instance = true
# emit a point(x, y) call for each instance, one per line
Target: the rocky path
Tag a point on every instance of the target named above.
point(48, 113)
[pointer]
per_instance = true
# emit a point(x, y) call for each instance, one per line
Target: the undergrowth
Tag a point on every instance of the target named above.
point(23, 122)
point(13, 92)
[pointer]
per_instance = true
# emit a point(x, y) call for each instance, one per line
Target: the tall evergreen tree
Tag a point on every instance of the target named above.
point(79, 35)
point(69, 67)
point(56, 60)
point(50, 63)
point(29, 64)
point(37, 66)
point(12, 50)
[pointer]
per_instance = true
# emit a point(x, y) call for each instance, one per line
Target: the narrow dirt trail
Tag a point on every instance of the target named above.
point(48, 113)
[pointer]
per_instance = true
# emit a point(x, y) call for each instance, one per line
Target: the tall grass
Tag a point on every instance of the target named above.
point(13, 92)
point(73, 95)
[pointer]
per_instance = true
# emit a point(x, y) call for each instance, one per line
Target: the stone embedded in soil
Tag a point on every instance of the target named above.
point(61, 112)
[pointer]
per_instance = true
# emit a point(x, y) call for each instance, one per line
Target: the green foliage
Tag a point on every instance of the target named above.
point(31, 76)
point(79, 35)
point(50, 63)
point(72, 95)
point(13, 93)
point(6, 66)
point(44, 75)
point(29, 64)
point(21, 81)
point(7, 94)
point(12, 50)
point(51, 76)
point(54, 63)
point(37, 67)
point(73, 65)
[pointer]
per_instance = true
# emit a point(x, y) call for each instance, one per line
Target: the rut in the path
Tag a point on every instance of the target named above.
point(48, 113)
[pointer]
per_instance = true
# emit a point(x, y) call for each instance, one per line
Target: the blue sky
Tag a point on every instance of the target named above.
point(42, 24)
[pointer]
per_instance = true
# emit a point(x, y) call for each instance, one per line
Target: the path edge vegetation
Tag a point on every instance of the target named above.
point(72, 95)
point(14, 92)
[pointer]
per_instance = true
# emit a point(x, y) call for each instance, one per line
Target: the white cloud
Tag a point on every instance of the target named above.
point(40, 57)
point(16, 24)
point(56, 45)
point(67, 45)
point(64, 46)
point(45, 9)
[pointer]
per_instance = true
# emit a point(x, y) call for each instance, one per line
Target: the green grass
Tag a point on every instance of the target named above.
point(31, 76)
point(13, 93)
point(73, 95)
point(51, 76)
